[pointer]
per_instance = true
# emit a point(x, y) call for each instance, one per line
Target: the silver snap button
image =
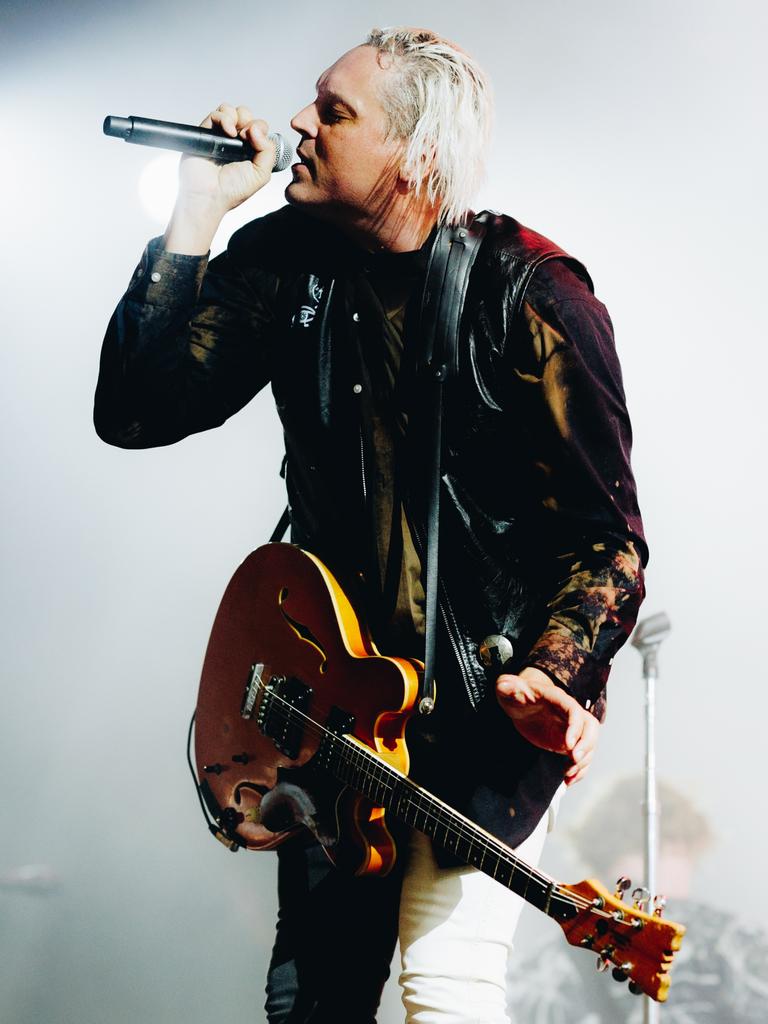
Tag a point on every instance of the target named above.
point(156, 276)
point(357, 388)
point(356, 317)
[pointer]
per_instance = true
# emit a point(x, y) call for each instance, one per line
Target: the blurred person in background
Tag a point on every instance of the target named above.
point(541, 537)
point(721, 972)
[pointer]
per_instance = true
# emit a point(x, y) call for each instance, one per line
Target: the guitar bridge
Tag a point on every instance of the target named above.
point(259, 680)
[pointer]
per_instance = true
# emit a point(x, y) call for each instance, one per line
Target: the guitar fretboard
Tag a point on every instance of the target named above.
point(363, 771)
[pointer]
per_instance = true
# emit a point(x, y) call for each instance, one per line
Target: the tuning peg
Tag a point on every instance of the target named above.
point(604, 958)
point(622, 884)
point(659, 902)
point(621, 973)
point(635, 989)
point(640, 897)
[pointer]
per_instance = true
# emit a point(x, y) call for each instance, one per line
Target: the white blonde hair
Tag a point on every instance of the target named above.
point(439, 100)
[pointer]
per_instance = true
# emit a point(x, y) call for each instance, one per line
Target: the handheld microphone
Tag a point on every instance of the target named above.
point(187, 138)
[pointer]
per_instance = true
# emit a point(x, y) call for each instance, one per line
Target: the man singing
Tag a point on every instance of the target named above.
point(540, 533)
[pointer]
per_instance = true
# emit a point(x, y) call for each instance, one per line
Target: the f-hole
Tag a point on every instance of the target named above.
point(301, 629)
point(261, 790)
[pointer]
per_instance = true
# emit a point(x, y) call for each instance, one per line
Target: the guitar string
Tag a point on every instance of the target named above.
point(449, 818)
point(445, 817)
point(383, 775)
point(452, 822)
point(386, 777)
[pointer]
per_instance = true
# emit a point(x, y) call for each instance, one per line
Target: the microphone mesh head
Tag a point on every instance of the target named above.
point(284, 153)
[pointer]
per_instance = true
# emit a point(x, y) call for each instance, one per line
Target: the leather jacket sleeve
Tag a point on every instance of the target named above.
point(186, 348)
point(585, 490)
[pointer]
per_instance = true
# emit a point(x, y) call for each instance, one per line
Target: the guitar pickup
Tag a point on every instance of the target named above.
point(282, 713)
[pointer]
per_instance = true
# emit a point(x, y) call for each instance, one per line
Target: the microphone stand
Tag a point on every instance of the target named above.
point(647, 638)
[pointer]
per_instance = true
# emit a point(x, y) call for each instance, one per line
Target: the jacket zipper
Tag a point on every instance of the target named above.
point(472, 688)
point(362, 466)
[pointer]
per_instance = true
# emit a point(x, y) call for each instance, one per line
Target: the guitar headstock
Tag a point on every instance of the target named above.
point(638, 945)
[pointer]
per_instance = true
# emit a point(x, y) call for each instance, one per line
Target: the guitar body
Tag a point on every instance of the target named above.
point(284, 612)
point(300, 724)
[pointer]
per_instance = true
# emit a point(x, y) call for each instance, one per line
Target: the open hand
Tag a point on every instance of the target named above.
point(550, 718)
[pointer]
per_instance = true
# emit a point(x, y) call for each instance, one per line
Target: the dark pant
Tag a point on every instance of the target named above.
point(335, 938)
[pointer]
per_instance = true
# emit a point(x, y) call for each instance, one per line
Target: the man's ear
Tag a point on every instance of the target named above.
point(403, 185)
point(407, 184)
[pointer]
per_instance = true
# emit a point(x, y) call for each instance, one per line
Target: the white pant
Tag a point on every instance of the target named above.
point(456, 930)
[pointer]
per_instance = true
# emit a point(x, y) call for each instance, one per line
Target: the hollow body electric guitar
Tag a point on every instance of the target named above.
point(300, 724)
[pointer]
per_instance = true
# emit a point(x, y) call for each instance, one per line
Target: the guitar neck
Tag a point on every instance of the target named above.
point(352, 763)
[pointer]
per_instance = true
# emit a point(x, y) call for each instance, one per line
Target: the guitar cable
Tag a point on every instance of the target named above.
point(212, 826)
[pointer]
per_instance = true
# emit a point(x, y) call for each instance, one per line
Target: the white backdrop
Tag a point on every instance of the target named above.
point(632, 134)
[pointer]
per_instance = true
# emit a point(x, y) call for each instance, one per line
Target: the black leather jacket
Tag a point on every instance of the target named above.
point(540, 533)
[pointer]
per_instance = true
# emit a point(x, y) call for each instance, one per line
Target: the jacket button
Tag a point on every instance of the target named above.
point(357, 388)
point(356, 317)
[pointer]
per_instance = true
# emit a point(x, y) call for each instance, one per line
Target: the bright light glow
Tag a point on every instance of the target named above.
point(157, 186)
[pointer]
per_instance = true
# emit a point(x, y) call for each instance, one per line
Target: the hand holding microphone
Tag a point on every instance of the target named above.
point(227, 160)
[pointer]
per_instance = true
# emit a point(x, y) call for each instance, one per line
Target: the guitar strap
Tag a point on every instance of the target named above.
point(282, 525)
point(445, 287)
